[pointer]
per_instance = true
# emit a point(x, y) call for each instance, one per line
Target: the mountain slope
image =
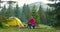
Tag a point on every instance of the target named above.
point(44, 6)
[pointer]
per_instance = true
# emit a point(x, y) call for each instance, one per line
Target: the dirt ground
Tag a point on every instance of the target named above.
point(58, 30)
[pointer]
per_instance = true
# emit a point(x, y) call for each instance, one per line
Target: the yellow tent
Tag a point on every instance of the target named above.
point(14, 21)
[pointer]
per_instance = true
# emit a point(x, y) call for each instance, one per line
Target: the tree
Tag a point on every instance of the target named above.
point(35, 14)
point(42, 15)
point(3, 11)
point(17, 11)
point(49, 17)
point(10, 11)
point(3, 17)
point(56, 13)
point(28, 12)
point(23, 13)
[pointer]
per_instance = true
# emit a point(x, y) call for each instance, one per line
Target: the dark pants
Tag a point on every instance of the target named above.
point(30, 25)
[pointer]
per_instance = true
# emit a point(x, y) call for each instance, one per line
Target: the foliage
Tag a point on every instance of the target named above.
point(28, 12)
point(35, 14)
point(56, 13)
point(10, 11)
point(3, 17)
point(23, 13)
point(50, 29)
point(42, 15)
point(47, 17)
point(17, 11)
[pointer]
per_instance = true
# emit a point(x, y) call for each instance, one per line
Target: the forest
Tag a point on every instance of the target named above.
point(49, 16)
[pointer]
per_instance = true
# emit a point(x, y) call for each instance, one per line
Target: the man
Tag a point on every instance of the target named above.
point(31, 22)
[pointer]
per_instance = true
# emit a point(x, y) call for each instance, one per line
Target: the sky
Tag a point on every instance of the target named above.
point(22, 2)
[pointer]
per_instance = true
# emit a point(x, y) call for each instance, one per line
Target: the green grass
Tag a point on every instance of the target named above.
point(43, 28)
point(26, 30)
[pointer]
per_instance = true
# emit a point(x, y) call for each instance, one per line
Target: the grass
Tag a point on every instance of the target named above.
point(43, 28)
point(26, 30)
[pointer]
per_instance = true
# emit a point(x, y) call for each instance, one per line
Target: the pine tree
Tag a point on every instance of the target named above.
point(3, 17)
point(35, 15)
point(42, 15)
point(10, 11)
point(3, 11)
point(23, 13)
point(34, 11)
point(28, 12)
point(17, 11)
point(56, 12)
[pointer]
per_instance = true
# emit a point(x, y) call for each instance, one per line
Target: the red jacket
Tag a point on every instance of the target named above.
point(32, 21)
